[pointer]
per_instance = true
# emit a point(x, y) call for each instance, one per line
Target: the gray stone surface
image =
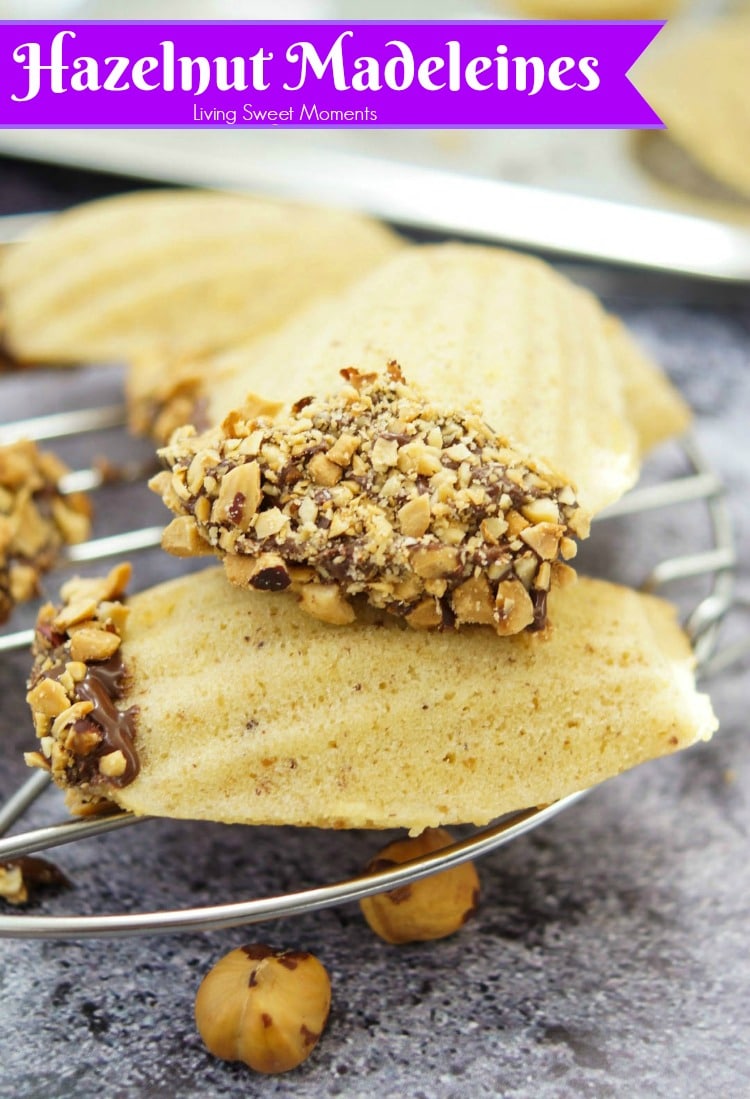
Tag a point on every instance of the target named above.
point(610, 954)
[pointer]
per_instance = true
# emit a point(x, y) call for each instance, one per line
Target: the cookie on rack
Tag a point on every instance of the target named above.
point(193, 700)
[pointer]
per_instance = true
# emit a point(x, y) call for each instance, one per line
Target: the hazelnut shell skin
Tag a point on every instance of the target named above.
point(264, 1007)
point(431, 908)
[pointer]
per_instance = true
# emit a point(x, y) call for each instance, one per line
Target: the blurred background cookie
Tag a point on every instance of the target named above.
point(108, 279)
point(598, 9)
point(700, 86)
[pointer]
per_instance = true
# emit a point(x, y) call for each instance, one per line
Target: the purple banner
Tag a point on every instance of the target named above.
point(360, 74)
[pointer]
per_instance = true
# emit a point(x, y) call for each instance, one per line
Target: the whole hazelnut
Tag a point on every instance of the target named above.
point(431, 908)
point(262, 1006)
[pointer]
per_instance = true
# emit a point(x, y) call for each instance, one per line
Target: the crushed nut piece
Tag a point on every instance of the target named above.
point(516, 523)
point(69, 717)
point(78, 610)
point(493, 528)
point(514, 607)
point(265, 573)
point(474, 602)
point(73, 525)
point(269, 523)
point(568, 548)
point(182, 538)
point(542, 510)
point(82, 744)
point(239, 496)
point(414, 517)
point(112, 614)
point(24, 583)
point(384, 453)
point(93, 644)
point(425, 616)
point(255, 406)
point(36, 759)
point(435, 560)
point(324, 471)
point(48, 698)
point(113, 764)
point(325, 601)
point(564, 575)
point(343, 450)
point(97, 589)
point(544, 539)
point(544, 576)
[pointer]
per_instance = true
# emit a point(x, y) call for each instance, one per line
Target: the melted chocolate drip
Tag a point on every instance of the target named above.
point(102, 684)
point(539, 600)
point(110, 673)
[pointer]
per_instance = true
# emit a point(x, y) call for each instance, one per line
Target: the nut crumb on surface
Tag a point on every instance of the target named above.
point(20, 878)
point(428, 514)
point(36, 520)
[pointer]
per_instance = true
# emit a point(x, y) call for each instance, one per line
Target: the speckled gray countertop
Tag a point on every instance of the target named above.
point(610, 953)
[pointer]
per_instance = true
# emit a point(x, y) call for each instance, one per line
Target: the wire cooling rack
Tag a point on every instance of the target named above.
point(715, 565)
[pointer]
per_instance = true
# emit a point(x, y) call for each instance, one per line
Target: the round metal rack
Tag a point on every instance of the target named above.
point(716, 564)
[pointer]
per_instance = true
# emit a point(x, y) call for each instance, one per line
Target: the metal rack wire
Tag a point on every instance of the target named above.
point(716, 564)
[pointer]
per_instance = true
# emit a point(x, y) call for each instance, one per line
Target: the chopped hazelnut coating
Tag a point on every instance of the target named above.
point(426, 512)
point(78, 675)
point(36, 520)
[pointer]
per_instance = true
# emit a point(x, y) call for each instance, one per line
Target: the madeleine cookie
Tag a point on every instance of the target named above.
point(36, 520)
point(175, 272)
point(379, 492)
point(210, 703)
point(700, 87)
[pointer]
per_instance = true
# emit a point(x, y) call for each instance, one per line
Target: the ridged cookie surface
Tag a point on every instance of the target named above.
point(246, 710)
point(175, 272)
point(547, 365)
point(655, 408)
point(472, 326)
